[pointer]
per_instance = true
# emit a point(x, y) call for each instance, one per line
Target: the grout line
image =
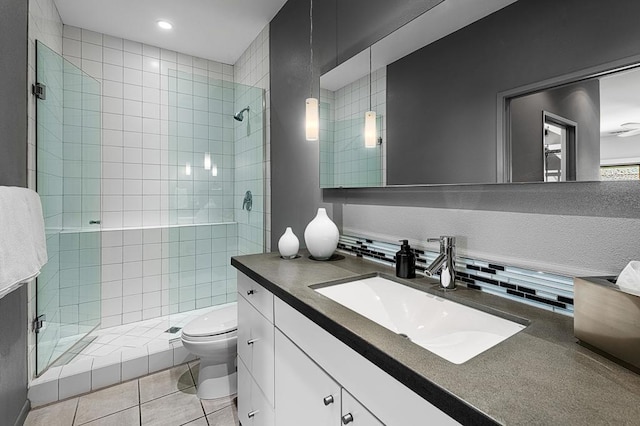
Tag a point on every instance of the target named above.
point(139, 404)
point(75, 412)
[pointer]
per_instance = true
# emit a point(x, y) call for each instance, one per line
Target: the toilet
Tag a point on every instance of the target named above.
point(213, 338)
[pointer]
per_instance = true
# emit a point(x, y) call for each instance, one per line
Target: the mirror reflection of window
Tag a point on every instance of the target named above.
point(613, 173)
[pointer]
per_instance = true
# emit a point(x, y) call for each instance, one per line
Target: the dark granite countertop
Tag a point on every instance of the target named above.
point(539, 376)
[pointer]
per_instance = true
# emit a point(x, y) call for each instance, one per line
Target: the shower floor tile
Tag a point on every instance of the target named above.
point(166, 398)
point(107, 341)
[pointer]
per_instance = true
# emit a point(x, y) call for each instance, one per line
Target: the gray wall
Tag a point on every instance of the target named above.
point(13, 357)
point(579, 102)
point(488, 219)
point(295, 180)
point(13, 171)
point(13, 87)
point(460, 76)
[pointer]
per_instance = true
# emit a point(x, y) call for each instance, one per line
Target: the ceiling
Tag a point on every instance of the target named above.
point(619, 94)
point(220, 30)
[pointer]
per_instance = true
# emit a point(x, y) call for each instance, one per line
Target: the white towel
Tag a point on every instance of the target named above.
point(629, 278)
point(23, 247)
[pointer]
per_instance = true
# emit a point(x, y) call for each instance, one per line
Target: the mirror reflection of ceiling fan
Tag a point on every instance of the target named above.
point(629, 129)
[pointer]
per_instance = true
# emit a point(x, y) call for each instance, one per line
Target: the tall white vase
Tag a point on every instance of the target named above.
point(288, 244)
point(321, 236)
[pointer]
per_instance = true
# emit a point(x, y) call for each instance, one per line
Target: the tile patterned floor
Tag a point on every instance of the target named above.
point(166, 398)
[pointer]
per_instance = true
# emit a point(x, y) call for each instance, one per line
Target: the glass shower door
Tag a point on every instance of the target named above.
point(68, 146)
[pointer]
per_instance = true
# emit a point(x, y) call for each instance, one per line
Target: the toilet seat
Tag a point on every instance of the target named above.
point(214, 325)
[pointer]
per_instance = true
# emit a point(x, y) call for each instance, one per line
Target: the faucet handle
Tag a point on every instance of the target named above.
point(446, 242)
point(442, 239)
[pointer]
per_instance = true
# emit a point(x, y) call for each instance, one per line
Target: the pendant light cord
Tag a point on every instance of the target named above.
point(311, 47)
point(370, 88)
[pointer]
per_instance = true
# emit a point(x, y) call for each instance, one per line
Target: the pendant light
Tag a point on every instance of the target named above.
point(312, 116)
point(370, 137)
point(207, 161)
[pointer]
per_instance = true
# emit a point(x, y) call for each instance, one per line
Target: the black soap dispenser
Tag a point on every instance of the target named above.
point(405, 261)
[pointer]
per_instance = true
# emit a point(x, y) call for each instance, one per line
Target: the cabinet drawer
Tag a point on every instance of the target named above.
point(255, 346)
point(253, 408)
point(258, 296)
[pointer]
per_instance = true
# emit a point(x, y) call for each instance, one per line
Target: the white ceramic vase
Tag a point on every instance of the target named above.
point(288, 244)
point(321, 236)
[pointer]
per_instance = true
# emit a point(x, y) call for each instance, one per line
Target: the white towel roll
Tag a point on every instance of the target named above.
point(23, 247)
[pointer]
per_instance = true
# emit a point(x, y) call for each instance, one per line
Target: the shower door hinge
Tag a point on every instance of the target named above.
point(40, 90)
point(38, 323)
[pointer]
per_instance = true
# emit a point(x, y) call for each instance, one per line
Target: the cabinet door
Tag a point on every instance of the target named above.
point(253, 408)
point(255, 346)
point(305, 394)
point(354, 413)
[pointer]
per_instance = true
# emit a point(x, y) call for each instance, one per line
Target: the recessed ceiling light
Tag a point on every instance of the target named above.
point(165, 25)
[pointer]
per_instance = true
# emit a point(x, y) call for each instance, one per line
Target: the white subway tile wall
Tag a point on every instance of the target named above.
point(135, 121)
point(150, 272)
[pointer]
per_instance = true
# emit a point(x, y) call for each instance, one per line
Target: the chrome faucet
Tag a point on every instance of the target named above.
point(445, 262)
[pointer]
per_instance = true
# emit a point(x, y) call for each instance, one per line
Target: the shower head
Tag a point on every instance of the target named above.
point(240, 114)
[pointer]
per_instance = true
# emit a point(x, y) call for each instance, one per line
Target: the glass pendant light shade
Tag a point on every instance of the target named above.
point(312, 119)
point(370, 136)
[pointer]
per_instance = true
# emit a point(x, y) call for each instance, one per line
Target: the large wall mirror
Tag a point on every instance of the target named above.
point(489, 92)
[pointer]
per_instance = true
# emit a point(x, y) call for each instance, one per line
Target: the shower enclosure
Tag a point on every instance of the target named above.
point(176, 259)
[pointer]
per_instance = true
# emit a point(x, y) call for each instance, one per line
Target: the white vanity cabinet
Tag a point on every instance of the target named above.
point(317, 379)
point(255, 354)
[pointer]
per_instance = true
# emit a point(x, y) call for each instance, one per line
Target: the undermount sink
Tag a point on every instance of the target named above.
point(450, 330)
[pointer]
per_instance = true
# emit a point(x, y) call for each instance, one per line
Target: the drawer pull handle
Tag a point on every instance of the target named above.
point(347, 418)
point(250, 292)
point(252, 341)
point(328, 400)
point(252, 413)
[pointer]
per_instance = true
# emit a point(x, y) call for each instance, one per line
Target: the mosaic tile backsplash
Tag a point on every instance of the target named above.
point(540, 289)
